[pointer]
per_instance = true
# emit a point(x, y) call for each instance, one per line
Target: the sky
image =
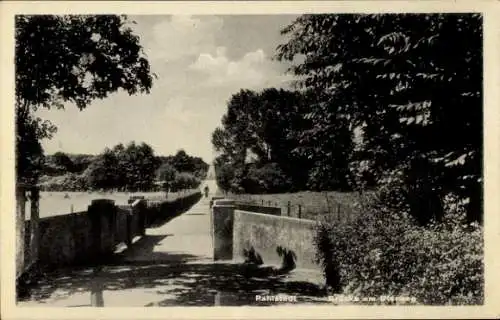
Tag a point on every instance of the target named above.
point(200, 62)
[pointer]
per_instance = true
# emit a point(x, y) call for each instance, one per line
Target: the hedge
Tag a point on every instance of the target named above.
point(387, 254)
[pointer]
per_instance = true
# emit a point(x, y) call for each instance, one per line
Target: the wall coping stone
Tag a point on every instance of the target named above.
point(270, 216)
point(224, 202)
point(102, 201)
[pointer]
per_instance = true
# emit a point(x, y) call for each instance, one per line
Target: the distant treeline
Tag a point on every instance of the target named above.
point(134, 167)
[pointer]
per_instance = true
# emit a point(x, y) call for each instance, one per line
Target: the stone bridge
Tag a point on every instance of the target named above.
point(176, 264)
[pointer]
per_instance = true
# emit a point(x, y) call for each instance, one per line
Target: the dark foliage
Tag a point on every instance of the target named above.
point(411, 86)
point(258, 140)
point(70, 59)
point(134, 167)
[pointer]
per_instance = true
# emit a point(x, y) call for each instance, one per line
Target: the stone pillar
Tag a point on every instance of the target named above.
point(20, 228)
point(222, 219)
point(129, 236)
point(101, 213)
point(136, 224)
point(139, 207)
point(34, 224)
point(214, 199)
point(141, 212)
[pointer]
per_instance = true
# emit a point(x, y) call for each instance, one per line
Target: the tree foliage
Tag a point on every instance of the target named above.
point(104, 172)
point(182, 162)
point(69, 59)
point(133, 167)
point(268, 178)
point(260, 131)
point(61, 163)
point(184, 180)
point(63, 160)
point(392, 101)
point(129, 168)
point(412, 84)
point(166, 173)
point(30, 158)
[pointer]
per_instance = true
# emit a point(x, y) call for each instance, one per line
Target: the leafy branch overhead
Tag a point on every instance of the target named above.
point(77, 59)
point(411, 84)
point(70, 59)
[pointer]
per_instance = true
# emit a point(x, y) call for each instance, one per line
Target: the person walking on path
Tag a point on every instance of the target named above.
point(206, 191)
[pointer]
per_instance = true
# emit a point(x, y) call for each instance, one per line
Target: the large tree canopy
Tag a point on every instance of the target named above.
point(257, 141)
point(126, 168)
point(70, 59)
point(411, 83)
point(76, 59)
point(392, 101)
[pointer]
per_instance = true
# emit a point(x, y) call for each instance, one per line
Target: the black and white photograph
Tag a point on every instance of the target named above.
point(331, 159)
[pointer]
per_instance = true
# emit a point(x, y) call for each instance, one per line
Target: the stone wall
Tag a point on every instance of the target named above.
point(84, 236)
point(64, 238)
point(274, 240)
point(158, 213)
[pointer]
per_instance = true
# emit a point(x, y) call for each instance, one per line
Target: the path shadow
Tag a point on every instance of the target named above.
point(142, 253)
point(179, 283)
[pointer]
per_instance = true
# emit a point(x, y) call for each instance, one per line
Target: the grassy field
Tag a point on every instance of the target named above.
point(313, 205)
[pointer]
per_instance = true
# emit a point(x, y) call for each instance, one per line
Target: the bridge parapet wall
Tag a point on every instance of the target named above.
point(267, 238)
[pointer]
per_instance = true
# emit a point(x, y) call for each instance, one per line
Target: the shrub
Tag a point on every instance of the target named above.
point(412, 187)
point(225, 174)
point(361, 175)
point(383, 253)
point(268, 178)
point(67, 182)
point(184, 180)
